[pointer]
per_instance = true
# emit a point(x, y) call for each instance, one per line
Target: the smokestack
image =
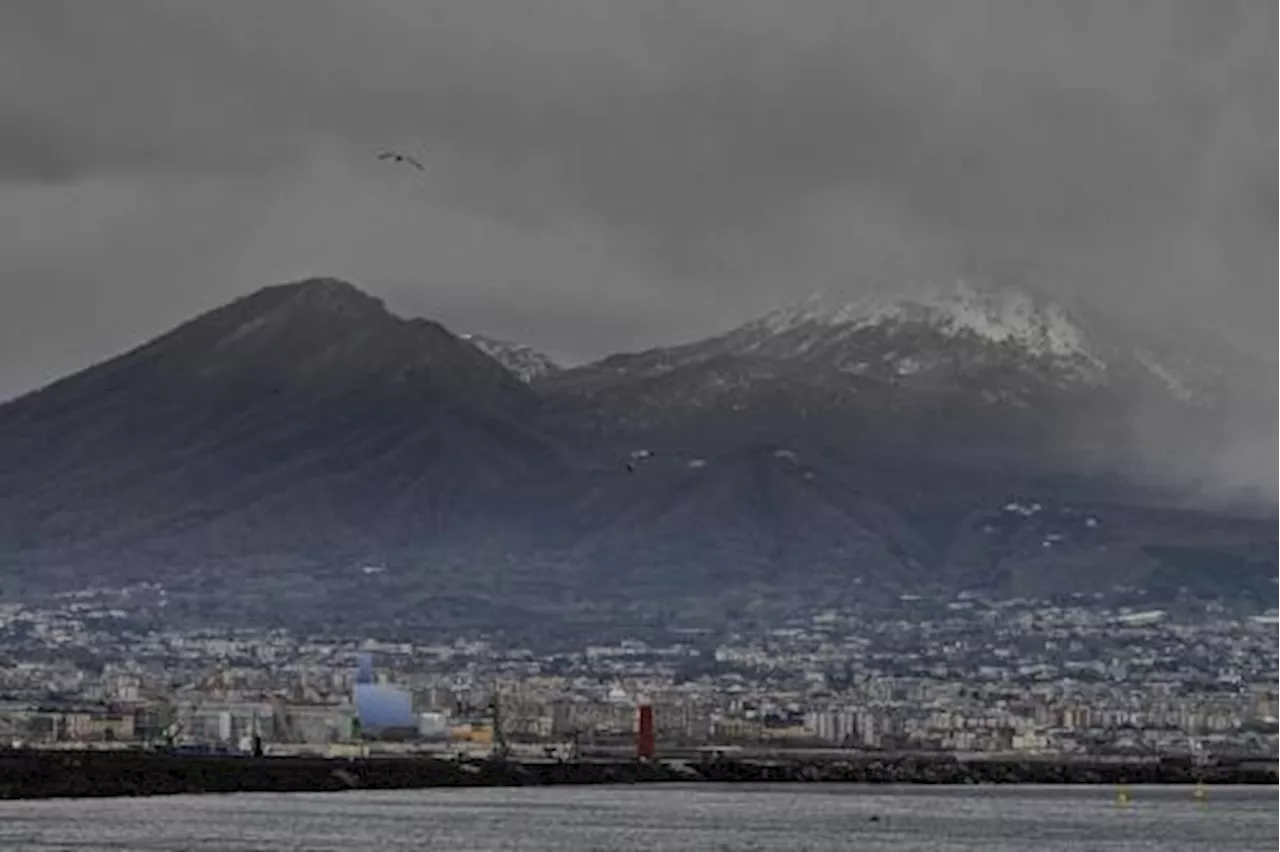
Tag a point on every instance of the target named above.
point(645, 746)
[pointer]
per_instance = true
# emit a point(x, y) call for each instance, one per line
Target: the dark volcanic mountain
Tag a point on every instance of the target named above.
point(258, 455)
point(960, 374)
point(304, 418)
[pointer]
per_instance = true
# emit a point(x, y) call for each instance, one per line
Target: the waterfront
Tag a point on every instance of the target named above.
point(706, 817)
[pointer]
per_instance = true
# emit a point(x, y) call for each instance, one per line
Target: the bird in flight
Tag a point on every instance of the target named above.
point(397, 157)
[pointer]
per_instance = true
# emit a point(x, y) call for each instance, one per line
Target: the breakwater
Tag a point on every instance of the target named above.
point(31, 774)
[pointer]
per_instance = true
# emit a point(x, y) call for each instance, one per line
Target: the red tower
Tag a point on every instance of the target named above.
point(645, 747)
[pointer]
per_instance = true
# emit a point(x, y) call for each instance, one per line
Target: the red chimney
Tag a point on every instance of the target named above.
point(644, 734)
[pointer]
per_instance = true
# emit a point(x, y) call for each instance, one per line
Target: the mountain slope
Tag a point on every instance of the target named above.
point(524, 362)
point(956, 372)
point(305, 412)
point(989, 345)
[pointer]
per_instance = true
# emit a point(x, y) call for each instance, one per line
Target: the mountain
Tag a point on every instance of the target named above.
point(255, 457)
point(302, 419)
point(994, 346)
point(524, 362)
point(993, 375)
point(843, 451)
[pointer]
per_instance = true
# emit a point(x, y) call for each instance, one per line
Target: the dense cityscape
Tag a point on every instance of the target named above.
point(963, 675)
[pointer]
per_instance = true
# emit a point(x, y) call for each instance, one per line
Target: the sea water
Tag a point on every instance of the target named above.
point(653, 818)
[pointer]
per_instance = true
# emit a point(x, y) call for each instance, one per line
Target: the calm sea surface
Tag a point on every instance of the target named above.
point(695, 817)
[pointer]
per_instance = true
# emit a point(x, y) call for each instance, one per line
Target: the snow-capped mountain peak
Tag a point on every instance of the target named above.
point(996, 315)
point(524, 362)
point(996, 343)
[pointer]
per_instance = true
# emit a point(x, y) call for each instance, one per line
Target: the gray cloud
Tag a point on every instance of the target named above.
point(618, 174)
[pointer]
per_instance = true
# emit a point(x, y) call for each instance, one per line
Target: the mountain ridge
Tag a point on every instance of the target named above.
point(1014, 375)
point(1012, 318)
point(305, 427)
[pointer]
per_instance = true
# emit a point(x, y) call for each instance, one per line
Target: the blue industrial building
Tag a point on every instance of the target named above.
point(379, 707)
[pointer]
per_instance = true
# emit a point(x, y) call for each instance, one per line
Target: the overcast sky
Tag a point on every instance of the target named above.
point(607, 175)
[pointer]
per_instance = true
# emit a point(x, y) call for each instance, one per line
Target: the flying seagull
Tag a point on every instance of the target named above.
point(397, 157)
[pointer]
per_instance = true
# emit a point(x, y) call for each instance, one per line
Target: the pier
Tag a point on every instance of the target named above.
point(32, 774)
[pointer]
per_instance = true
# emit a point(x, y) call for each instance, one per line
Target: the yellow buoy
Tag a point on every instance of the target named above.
point(1122, 796)
point(1200, 793)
